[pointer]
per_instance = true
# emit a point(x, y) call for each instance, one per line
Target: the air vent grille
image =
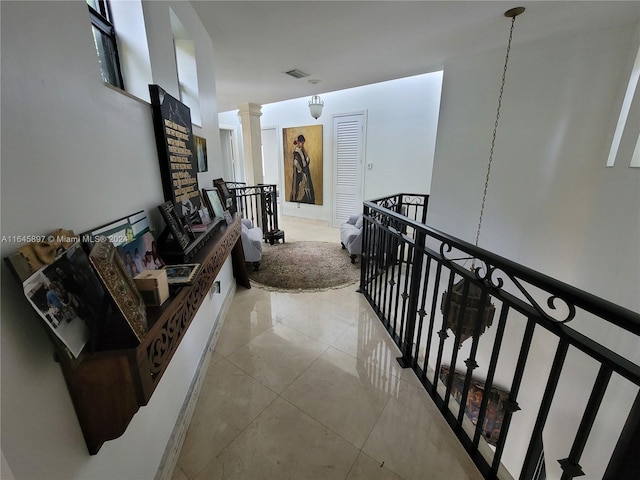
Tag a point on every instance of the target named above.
point(295, 73)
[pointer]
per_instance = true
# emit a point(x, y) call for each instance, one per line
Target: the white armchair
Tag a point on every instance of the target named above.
point(251, 243)
point(351, 236)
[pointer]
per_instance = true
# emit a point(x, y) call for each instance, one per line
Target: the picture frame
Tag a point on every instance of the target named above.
point(225, 194)
point(108, 265)
point(302, 148)
point(205, 218)
point(227, 217)
point(132, 237)
point(140, 255)
point(118, 232)
point(176, 152)
point(182, 236)
point(70, 309)
point(200, 145)
point(181, 274)
point(212, 198)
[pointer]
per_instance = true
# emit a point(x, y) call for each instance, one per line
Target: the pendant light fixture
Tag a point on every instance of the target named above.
point(315, 106)
point(472, 301)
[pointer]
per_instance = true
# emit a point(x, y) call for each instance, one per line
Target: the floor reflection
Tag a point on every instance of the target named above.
point(306, 385)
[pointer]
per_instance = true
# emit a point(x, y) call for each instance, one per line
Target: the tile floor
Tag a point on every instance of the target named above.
point(306, 386)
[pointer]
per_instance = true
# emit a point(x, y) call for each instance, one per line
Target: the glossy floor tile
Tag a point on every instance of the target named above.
point(307, 386)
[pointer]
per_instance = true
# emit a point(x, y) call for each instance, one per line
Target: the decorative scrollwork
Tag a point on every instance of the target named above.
point(161, 347)
point(498, 283)
point(389, 203)
point(413, 200)
point(492, 276)
point(445, 247)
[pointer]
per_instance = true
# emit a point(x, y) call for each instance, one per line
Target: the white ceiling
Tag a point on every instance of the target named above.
point(345, 44)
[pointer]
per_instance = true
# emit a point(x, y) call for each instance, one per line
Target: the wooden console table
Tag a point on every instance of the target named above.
point(108, 387)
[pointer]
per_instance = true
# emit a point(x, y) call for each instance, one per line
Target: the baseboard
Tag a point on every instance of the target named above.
point(174, 445)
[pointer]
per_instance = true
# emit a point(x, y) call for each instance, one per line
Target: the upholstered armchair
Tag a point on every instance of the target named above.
point(251, 243)
point(351, 236)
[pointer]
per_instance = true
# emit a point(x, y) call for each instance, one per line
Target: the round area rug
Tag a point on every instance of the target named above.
point(305, 266)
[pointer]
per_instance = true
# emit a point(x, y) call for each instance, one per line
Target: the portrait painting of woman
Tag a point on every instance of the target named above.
point(303, 167)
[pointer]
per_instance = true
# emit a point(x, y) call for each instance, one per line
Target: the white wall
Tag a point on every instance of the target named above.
point(77, 154)
point(552, 204)
point(402, 116)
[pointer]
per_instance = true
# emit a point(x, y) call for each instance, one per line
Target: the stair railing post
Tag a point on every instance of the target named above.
point(406, 360)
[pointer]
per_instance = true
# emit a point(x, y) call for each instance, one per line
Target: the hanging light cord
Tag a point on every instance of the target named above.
point(495, 129)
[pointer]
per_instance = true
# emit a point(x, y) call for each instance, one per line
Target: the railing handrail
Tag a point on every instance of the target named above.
point(614, 313)
point(258, 201)
point(408, 268)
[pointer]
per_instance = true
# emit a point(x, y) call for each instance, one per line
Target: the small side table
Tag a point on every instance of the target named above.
point(273, 236)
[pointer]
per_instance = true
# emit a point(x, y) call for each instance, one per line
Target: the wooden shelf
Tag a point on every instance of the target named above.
point(108, 387)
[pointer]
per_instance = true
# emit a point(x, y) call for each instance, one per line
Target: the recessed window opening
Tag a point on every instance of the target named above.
point(185, 51)
point(630, 99)
point(104, 36)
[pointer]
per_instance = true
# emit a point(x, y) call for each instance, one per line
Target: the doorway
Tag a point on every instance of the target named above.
point(270, 156)
point(233, 169)
point(348, 151)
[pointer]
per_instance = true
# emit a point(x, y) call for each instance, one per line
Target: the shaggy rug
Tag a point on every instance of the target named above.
point(305, 266)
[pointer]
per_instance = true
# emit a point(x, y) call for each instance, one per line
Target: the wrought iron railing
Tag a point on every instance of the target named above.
point(258, 203)
point(432, 292)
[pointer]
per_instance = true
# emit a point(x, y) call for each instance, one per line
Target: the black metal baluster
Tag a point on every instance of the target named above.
point(377, 246)
point(364, 256)
point(425, 204)
point(471, 361)
point(432, 316)
point(422, 312)
point(442, 333)
point(570, 466)
point(495, 353)
point(398, 280)
point(416, 270)
point(406, 287)
point(511, 405)
point(535, 444)
point(457, 341)
point(624, 462)
point(385, 278)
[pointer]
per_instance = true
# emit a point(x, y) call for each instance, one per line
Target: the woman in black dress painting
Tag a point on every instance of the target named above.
point(302, 188)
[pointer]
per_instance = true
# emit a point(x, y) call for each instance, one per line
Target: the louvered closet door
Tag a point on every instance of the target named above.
point(348, 132)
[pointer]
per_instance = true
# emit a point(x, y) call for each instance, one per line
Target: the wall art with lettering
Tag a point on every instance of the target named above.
point(175, 143)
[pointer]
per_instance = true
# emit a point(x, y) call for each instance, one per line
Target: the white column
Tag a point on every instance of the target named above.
point(250, 114)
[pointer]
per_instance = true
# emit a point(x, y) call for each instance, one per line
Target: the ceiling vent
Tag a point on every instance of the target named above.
point(295, 73)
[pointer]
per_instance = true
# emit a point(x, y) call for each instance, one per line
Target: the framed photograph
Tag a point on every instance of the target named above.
point(201, 153)
point(225, 194)
point(132, 237)
point(107, 263)
point(182, 274)
point(212, 197)
point(141, 254)
point(205, 218)
point(175, 225)
point(118, 232)
point(68, 296)
point(227, 217)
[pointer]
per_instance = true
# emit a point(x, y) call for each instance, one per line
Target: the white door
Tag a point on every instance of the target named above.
point(234, 172)
point(348, 132)
point(270, 163)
